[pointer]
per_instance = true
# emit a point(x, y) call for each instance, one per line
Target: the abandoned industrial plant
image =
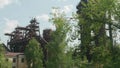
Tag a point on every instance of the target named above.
point(59, 33)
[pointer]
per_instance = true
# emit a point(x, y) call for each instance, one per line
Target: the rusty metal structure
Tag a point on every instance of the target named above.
point(20, 37)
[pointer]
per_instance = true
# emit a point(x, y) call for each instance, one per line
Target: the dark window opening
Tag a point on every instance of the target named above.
point(22, 60)
point(13, 67)
point(14, 60)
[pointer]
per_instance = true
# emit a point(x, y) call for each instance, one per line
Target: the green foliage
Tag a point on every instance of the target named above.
point(93, 17)
point(34, 54)
point(3, 62)
point(101, 56)
point(56, 47)
point(115, 57)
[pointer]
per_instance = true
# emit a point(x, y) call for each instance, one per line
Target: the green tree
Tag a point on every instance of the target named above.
point(116, 57)
point(34, 54)
point(93, 15)
point(56, 47)
point(3, 62)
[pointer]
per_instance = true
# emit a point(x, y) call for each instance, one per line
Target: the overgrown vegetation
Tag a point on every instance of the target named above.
point(3, 62)
point(34, 54)
point(57, 58)
point(96, 47)
point(97, 39)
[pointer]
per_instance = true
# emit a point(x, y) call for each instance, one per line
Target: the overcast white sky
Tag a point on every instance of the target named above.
point(20, 12)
